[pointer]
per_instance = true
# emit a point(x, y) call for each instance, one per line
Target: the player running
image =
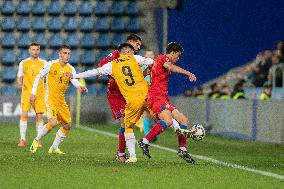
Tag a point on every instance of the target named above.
point(115, 98)
point(126, 71)
point(159, 102)
point(28, 69)
point(57, 109)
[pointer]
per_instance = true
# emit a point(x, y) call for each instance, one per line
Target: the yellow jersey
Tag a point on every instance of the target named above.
point(56, 80)
point(29, 69)
point(129, 77)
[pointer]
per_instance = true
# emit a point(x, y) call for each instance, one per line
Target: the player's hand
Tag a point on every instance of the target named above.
point(20, 85)
point(83, 89)
point(70, 75)
point(191, 77)
point(32, 99)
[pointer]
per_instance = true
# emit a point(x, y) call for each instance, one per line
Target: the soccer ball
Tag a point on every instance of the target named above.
point(200, 132)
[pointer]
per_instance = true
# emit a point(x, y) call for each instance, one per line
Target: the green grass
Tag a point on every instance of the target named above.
point(89, 163)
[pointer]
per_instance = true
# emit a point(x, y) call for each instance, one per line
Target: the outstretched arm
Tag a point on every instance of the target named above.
point(173, 68)
point(104, 70)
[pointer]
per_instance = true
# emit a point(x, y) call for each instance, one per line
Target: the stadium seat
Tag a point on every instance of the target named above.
point(8, 57)
point(101, 55)
point(87, 41)
point(54, 8)
point(41, 39)
point(55, 24)
point(72, 40)
point(132, 8)
point(87, 24)
point(75, 58)
point(88, 58)
point(102, 89)
point(85, 9)
point(102, 24)
point(24, 24)
point(8, 40)
point(118, 39)
point(103, 41)
point(55, 41)
point(103, 79)
point(39, 24)
point(8, 23)
point(9, 74)
point(117, 8)
point(23, 55)
point(39, 8)
point(24, 40)
point(43, 55)
point(9, 89)
point(70, 24)
point(53, 55)
point(92, 90)
point(101, 8)
point(133, 25)
point(69, 8)
point(8, 7)
point(23, 7)
point(71, 90)
point(117, 25)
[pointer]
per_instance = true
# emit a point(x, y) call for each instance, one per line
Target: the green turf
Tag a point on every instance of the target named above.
point(89, 163)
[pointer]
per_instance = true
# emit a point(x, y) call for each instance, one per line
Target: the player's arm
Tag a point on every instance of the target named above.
point(104, 70)
point(41, 74)
point(173, 68)
point(143, 61)
point(76, 83)
point(20, 75)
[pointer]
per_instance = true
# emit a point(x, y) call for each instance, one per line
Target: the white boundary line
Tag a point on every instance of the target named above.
point(208, 159)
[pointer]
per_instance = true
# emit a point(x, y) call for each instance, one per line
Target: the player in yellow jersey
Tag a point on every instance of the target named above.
point(28, 69)
point(56, 107)
point(127, 72)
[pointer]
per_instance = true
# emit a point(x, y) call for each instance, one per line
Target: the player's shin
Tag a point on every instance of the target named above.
point(155, 131)
point(182, 139)
point(121, 142)
point(130, 141)
point(60, 136)
point(23, 127)
point(39, 125)
point(44, 131)
point(146, 125)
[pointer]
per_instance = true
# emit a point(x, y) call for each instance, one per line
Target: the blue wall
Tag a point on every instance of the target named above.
point(218, 35)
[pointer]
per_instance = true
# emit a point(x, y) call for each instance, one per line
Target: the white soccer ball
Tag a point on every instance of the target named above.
point(200, 132)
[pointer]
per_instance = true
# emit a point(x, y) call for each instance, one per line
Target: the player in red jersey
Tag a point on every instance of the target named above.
point(116, 100)
point(159, 102)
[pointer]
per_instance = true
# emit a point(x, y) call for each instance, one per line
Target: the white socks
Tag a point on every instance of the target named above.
point(175, 124)
point(58, 139)
point(130, 143)
point(39, 127)
point(145, 141)
point(23, 129)
point(42, 133)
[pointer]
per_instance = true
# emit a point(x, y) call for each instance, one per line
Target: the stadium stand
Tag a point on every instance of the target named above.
point(9, 74)
point(92, 28)
point(9, 89)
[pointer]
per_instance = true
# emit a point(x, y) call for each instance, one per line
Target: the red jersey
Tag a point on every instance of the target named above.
point(112, 86)
point(160, 76)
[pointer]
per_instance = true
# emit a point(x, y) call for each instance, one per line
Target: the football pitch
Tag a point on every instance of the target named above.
point(89, 162)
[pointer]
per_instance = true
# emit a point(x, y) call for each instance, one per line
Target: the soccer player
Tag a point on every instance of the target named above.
point(28, 69)
point(159, 102)
point(115, 98)
point(56, 107)
point(126, 71)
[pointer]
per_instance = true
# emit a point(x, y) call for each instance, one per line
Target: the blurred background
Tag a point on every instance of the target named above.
point(234, 47)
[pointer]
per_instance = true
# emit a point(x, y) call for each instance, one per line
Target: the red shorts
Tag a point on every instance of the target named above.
point(159, 103)
point(117, 104)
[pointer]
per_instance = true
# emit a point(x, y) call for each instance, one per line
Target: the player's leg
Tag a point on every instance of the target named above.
point(182, 138)
point(39, 125)
point(146, 122)
point(39, 108)
point(64, 117)
point(23, 128)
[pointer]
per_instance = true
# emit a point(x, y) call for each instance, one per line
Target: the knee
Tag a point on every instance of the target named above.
point(67, 126)
point(38, 117)
point(184, 121)
point(168, 122)
point(52, 122)
point(24, 117)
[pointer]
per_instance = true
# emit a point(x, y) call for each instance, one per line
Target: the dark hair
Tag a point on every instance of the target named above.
point(64, 47)
point(267, 85)
point(174, 47)
point(34, 44)
point(133, 37)
point(125, 45)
